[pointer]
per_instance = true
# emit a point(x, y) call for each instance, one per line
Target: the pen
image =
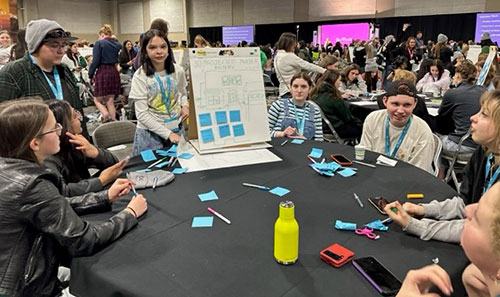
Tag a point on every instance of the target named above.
point(219, 216)
point(256, 186)
point(170, 161)
point(387, 221)
point(132, 185)
point(311, 159)
point(157, 162)
point(363, 163)
point(284, 142)
point(175, 161)
point(357, 199)
point(155, 179)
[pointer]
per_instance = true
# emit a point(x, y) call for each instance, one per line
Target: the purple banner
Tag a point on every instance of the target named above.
point(234, 35)
point(345, 33)
point(488, 22)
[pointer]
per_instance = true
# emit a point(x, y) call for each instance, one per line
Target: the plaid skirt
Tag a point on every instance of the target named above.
point(107, 81)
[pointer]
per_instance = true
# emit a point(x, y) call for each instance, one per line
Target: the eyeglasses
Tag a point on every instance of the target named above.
point(77, 115)
point(56, 45)
point(57, 129)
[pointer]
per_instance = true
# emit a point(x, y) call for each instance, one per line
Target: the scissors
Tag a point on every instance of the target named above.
point(368, 232)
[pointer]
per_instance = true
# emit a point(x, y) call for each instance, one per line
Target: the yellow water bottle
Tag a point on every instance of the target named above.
point(286, 235)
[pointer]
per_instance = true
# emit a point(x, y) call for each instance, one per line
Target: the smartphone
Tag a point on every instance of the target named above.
point(379, 277)
point(336, 255)
point(379, 203)
point(341, 159)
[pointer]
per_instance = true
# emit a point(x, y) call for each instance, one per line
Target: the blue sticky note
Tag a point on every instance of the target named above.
point(235, 116)
point(327, 172)
point(344, 225)
point(161, 152)
point(316, 153)
point(166, 153)
point(173, 149)
point(143, 170)
point(298, 141)
point(238, 130)
point(205, 119)
point(347, 172)
point(207, 135)
point(377, 225)
point(208, 196)
point(221, 117)
point(279, 191)
point(186, 156)
point(148, 155)
point(224, 131)
point(330, 166)
point(162, 164)
point(202, 222)
point(179, 170)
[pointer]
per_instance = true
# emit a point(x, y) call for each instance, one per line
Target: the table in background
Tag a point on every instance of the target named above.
point(164, 256)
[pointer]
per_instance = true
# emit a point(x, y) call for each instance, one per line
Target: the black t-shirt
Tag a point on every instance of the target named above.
point(66, 92)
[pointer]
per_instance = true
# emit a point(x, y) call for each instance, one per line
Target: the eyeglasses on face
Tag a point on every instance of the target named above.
point(57, 129)
point(54, 45)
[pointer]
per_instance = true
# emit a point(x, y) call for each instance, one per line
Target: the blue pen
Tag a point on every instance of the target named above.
point(257, 186)
point(132, 185)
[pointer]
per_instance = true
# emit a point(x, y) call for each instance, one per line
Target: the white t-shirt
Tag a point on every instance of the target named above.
point(417, 147)
point(150, 108)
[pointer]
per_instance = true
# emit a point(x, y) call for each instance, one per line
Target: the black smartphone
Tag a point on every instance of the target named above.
point(379, 277)
point(379, 203)
point(341, 159)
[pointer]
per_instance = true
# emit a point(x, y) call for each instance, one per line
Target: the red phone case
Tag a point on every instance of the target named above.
point(337, 249)
point(341, 163)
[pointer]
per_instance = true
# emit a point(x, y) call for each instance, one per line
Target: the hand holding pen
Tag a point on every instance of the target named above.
point(138, 205)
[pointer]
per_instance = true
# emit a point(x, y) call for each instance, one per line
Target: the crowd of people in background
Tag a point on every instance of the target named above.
point(314, 81)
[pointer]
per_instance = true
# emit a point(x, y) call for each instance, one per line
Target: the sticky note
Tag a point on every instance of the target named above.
point(162, 164)
point(179, 170)
point(316, 153)
point(143, 170)
point(347, 172)
point(377, 225)
point(207, 135)
point(166, 153)
point(234, 116)
point(173, 149)
point(298, 141)
point(238, 130)
point(344, 225)
point(199, 222)
point(224, 131)
point(186, 156)
point(208, 196)
point(221, 117)
point(148, 155)
point(205, 119)
point(279, 191)
point(330, 166)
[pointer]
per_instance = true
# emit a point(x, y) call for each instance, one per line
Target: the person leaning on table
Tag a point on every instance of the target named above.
point(396, 132)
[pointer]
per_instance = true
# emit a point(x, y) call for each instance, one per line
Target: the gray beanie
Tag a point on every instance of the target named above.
point(442, 38)
point(485, 36)
point(37, 30)
point(456, 55)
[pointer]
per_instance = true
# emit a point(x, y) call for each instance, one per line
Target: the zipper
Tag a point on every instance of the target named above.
point(31, 260)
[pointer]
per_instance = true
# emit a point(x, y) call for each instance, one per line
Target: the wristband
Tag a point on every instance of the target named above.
point(135, 214)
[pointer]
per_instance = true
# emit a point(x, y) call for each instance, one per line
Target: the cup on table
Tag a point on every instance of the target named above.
point(359, 152)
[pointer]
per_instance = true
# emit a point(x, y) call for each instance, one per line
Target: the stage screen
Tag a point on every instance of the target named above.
point(234, 35)
point(489, 22)
point(345, 33)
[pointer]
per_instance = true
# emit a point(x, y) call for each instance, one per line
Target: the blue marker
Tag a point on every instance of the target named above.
point(257, 186)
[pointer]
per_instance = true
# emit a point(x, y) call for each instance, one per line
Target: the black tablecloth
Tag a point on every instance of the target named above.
point(164, 256)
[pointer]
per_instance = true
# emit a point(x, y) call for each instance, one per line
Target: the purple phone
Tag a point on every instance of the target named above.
point(378, 276)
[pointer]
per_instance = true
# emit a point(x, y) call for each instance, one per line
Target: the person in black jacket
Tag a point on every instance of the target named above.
point(77, 155)
point(127, 56)
point(39, 226)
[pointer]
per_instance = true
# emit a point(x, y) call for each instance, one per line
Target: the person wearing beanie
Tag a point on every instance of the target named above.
point(442, 38)
point(396, 131)
point(457, 60)
point(442, 51)
point(40, 72)
point(486, 42)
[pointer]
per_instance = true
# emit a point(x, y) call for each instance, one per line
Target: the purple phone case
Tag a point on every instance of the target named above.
point(374, 284)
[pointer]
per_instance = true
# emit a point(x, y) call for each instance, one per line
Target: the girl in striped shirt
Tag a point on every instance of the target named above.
point(295, 117)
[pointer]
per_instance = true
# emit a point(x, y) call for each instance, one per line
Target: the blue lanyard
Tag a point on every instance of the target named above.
point(300, 124)
point(57, 90)
point(400, 140)
point(165, 97)
point(489, 161)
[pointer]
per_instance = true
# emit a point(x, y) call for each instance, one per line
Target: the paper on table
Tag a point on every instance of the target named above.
point(148, 155)
point(316, 153)
point(279, 191)
point(298, 141)
point(347, 172)
point(208, 196)
point(202, 222)
point(186, 155)
point(383, 160)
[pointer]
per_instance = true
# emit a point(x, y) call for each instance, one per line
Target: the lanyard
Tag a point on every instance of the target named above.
point(57, 90)
point(489, 161)
point(300, 124)
point(410, 52)
point(400, 140)
point(166, 98)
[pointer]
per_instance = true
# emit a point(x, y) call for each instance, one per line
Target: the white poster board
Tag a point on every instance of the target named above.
point(486, 68)
point(473, 53)
point(229, 97)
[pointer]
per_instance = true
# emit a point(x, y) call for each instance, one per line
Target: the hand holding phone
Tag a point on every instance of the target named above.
point(379, 203)
point(378, 276)
point(336, 255)
point(341, 159)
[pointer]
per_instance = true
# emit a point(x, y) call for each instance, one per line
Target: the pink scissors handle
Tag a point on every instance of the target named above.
point(368, 232)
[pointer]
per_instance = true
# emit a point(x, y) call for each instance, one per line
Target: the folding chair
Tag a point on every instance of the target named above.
point(457, 161)
point(333, 137)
